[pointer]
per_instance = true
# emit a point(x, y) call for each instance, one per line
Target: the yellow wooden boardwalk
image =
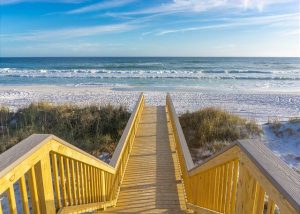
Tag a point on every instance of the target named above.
point(152, 181)
point(151, 171)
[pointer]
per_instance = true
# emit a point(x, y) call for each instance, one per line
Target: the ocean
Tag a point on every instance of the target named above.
point(156, 73)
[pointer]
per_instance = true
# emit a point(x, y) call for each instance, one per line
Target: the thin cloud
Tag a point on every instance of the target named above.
point(262, 20)
point(68, 33)
point(8, 2)
point(100, 6)
point(178, 6)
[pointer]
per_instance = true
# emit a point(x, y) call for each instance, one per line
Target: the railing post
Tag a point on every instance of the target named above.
point(44, 186)
point(245, 191)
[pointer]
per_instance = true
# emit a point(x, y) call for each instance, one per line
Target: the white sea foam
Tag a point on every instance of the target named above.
point(157, 73)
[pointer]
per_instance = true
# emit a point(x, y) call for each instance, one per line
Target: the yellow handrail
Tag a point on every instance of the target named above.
point(245, 177)
point(61, 177)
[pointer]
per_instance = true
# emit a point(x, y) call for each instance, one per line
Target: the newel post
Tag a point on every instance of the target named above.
point(44, 186)
point(246, 189)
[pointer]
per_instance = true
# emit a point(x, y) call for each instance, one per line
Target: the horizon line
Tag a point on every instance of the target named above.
point(149, 56)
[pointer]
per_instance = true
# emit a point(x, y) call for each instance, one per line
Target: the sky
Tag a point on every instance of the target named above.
point(150, 28)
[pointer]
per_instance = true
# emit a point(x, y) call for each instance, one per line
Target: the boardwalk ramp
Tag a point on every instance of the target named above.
point(151, 171)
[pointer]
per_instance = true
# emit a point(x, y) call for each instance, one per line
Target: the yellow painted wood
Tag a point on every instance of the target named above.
point(152, 181)
point(63, 181)
point(97, 185)
point(94, 190)
point(32, 157)
point(254, 196)
point(82, 183)
point(85, 176)
point(224, 190)
point(33, 191)
point(73, 183)
point(260, 200)
point(103, 187)
point(89, 183)
point(214, 190)
point(44, 186)
point(221, 179)
point(12, 200)
point(266, 184)
point(16, 172)
point(229, 187)
point(78, 182)
point(68, 181)
point(202, 210)
point(218, 188)
point(234, 186)
point(84, 208)
point(271, 206)
point(56, 180)
point(1, 212)
point(24, 195)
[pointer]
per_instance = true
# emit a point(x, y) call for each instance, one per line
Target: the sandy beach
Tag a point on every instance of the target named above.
point(260, 107)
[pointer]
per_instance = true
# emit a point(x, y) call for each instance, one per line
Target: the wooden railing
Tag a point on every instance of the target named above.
point(48, 174)
point(246, 177)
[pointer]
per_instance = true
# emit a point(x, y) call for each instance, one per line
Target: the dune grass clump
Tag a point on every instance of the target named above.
point(211, 129)
point(94, 129)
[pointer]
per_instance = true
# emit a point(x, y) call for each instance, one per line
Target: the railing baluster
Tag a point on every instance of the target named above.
point(229, 186)
point(73, 182)
point(86, 186)
point(82, 173)
point(260, 200)
point(33, 191)
point(255, 195)
point(88, 189)
point(214, 190)
point(103, 186)
point(222, 178)
point(62, 180)
point(12, 200)
point(98, 185)
point(78, 184)
point(271, 206)
point(70, 201)
point(1, 212)
point(93, 184)
point(24, 195)
point(212, 186)
point(234, 186)
point(218, 187)
point(224, 191)
point(206, 181)
point(56, 180)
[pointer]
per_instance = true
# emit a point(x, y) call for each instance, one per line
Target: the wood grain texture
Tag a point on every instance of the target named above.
point(282, 177)
point(152, 182)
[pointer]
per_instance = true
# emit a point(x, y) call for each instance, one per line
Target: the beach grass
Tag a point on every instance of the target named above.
point(210, 129)
point(94, 129)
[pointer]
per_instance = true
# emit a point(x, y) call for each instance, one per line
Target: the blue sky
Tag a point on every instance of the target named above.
point(150, 28)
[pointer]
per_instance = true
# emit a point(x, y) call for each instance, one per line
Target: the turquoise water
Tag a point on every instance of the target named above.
point(156, 73)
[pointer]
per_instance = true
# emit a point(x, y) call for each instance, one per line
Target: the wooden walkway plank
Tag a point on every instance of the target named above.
point(152, 181)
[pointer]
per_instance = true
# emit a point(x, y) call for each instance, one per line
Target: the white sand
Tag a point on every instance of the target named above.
point(256, 106)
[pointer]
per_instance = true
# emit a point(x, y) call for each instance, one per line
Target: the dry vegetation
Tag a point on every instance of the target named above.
point(93, 129)
point(209, 130)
